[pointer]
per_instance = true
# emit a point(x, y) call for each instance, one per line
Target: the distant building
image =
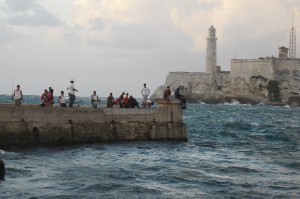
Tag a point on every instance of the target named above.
point(268, 67)
point(283, 52)
point(215, 84)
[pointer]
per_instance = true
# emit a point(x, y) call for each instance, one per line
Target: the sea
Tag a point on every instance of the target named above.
point(233, 151)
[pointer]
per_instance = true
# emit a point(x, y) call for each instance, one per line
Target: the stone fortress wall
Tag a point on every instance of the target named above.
point(269, 67)
point(287, 68)
point(252, 67)
point(242, 82)
point(203, 81)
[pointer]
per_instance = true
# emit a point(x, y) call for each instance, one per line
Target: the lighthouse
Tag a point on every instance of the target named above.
point(211, 52)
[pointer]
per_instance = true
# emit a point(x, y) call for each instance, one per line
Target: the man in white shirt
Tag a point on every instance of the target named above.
point(18, 96)
point(62, 100)
point(71, 90)
point(145, 92)
point(95, 100)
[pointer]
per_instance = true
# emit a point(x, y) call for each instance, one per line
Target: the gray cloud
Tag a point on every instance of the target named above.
point(188, 7)
point(244, 45)
point(6, 34)
point(292, 5)
point(143, 37)
point(118, 50)
point(29, 13)
point(97, 24)
point(19, 6)
point(129, 36)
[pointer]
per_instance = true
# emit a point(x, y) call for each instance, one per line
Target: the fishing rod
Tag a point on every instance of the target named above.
point(12, 89)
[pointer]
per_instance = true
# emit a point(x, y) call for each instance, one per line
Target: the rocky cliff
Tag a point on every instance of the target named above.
point(220, 88)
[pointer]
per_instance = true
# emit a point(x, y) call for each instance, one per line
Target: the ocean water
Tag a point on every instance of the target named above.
point(233, 151)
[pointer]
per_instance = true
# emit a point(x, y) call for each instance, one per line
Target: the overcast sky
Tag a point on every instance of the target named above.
point(116, 45)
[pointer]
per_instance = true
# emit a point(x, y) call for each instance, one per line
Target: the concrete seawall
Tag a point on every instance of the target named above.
point(30, 125)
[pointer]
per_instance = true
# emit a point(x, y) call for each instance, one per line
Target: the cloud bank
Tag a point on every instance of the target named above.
point(116, 45)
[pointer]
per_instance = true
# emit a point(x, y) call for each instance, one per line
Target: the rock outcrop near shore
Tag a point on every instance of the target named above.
point(2, 170)
point(221, 88)
point(294, 101)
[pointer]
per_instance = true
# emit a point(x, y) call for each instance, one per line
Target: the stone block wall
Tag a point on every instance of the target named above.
point(197, 87)
point(28, 125)
point(246, 68)
point(270, 68)
point(188, 80)
point(287, 68)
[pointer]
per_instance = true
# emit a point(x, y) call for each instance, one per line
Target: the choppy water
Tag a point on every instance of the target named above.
point(233, 151)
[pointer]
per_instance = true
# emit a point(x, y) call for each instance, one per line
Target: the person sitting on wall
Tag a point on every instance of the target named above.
point(43, 98)
point(167, 93)
point(150, 103)
point(132, 103)
point(49, 98)
point(62, 100)
point(180, 97)
point(125, 100)
point(120, 100)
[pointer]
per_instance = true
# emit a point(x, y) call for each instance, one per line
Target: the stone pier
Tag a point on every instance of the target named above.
point(33, 125)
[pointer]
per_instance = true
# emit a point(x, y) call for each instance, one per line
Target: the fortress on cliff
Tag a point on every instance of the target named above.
point(247, 81)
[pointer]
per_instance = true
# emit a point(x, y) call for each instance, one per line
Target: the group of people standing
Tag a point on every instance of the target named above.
point(124, 101)
point(47, 98)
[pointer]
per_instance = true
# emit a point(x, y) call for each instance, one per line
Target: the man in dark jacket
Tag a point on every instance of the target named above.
point(180, 97)
point(132, 102)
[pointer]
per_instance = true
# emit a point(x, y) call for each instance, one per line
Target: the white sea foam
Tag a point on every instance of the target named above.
point(233, 103)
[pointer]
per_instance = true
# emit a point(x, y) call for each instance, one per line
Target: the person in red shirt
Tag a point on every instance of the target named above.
point(167, 93)
point(49, 98)
point(125, 101)
point(43, 98)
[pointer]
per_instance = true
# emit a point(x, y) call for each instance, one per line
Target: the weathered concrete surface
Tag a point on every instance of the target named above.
point(27, 125)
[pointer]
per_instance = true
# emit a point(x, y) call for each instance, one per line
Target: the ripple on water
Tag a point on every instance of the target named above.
point(233, 151)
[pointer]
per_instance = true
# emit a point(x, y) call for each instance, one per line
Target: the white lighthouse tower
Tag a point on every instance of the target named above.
point(211, 52)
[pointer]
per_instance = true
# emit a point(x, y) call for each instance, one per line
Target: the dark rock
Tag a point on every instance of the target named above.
point(242, 100)
point(2, 170)
point(275, 103)
point(208, 99)
point(219, 99)
point(294, 101)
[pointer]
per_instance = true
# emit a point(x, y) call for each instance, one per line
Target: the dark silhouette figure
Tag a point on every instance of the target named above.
point(180, 97)
point(2, 170)
point(132, 102)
